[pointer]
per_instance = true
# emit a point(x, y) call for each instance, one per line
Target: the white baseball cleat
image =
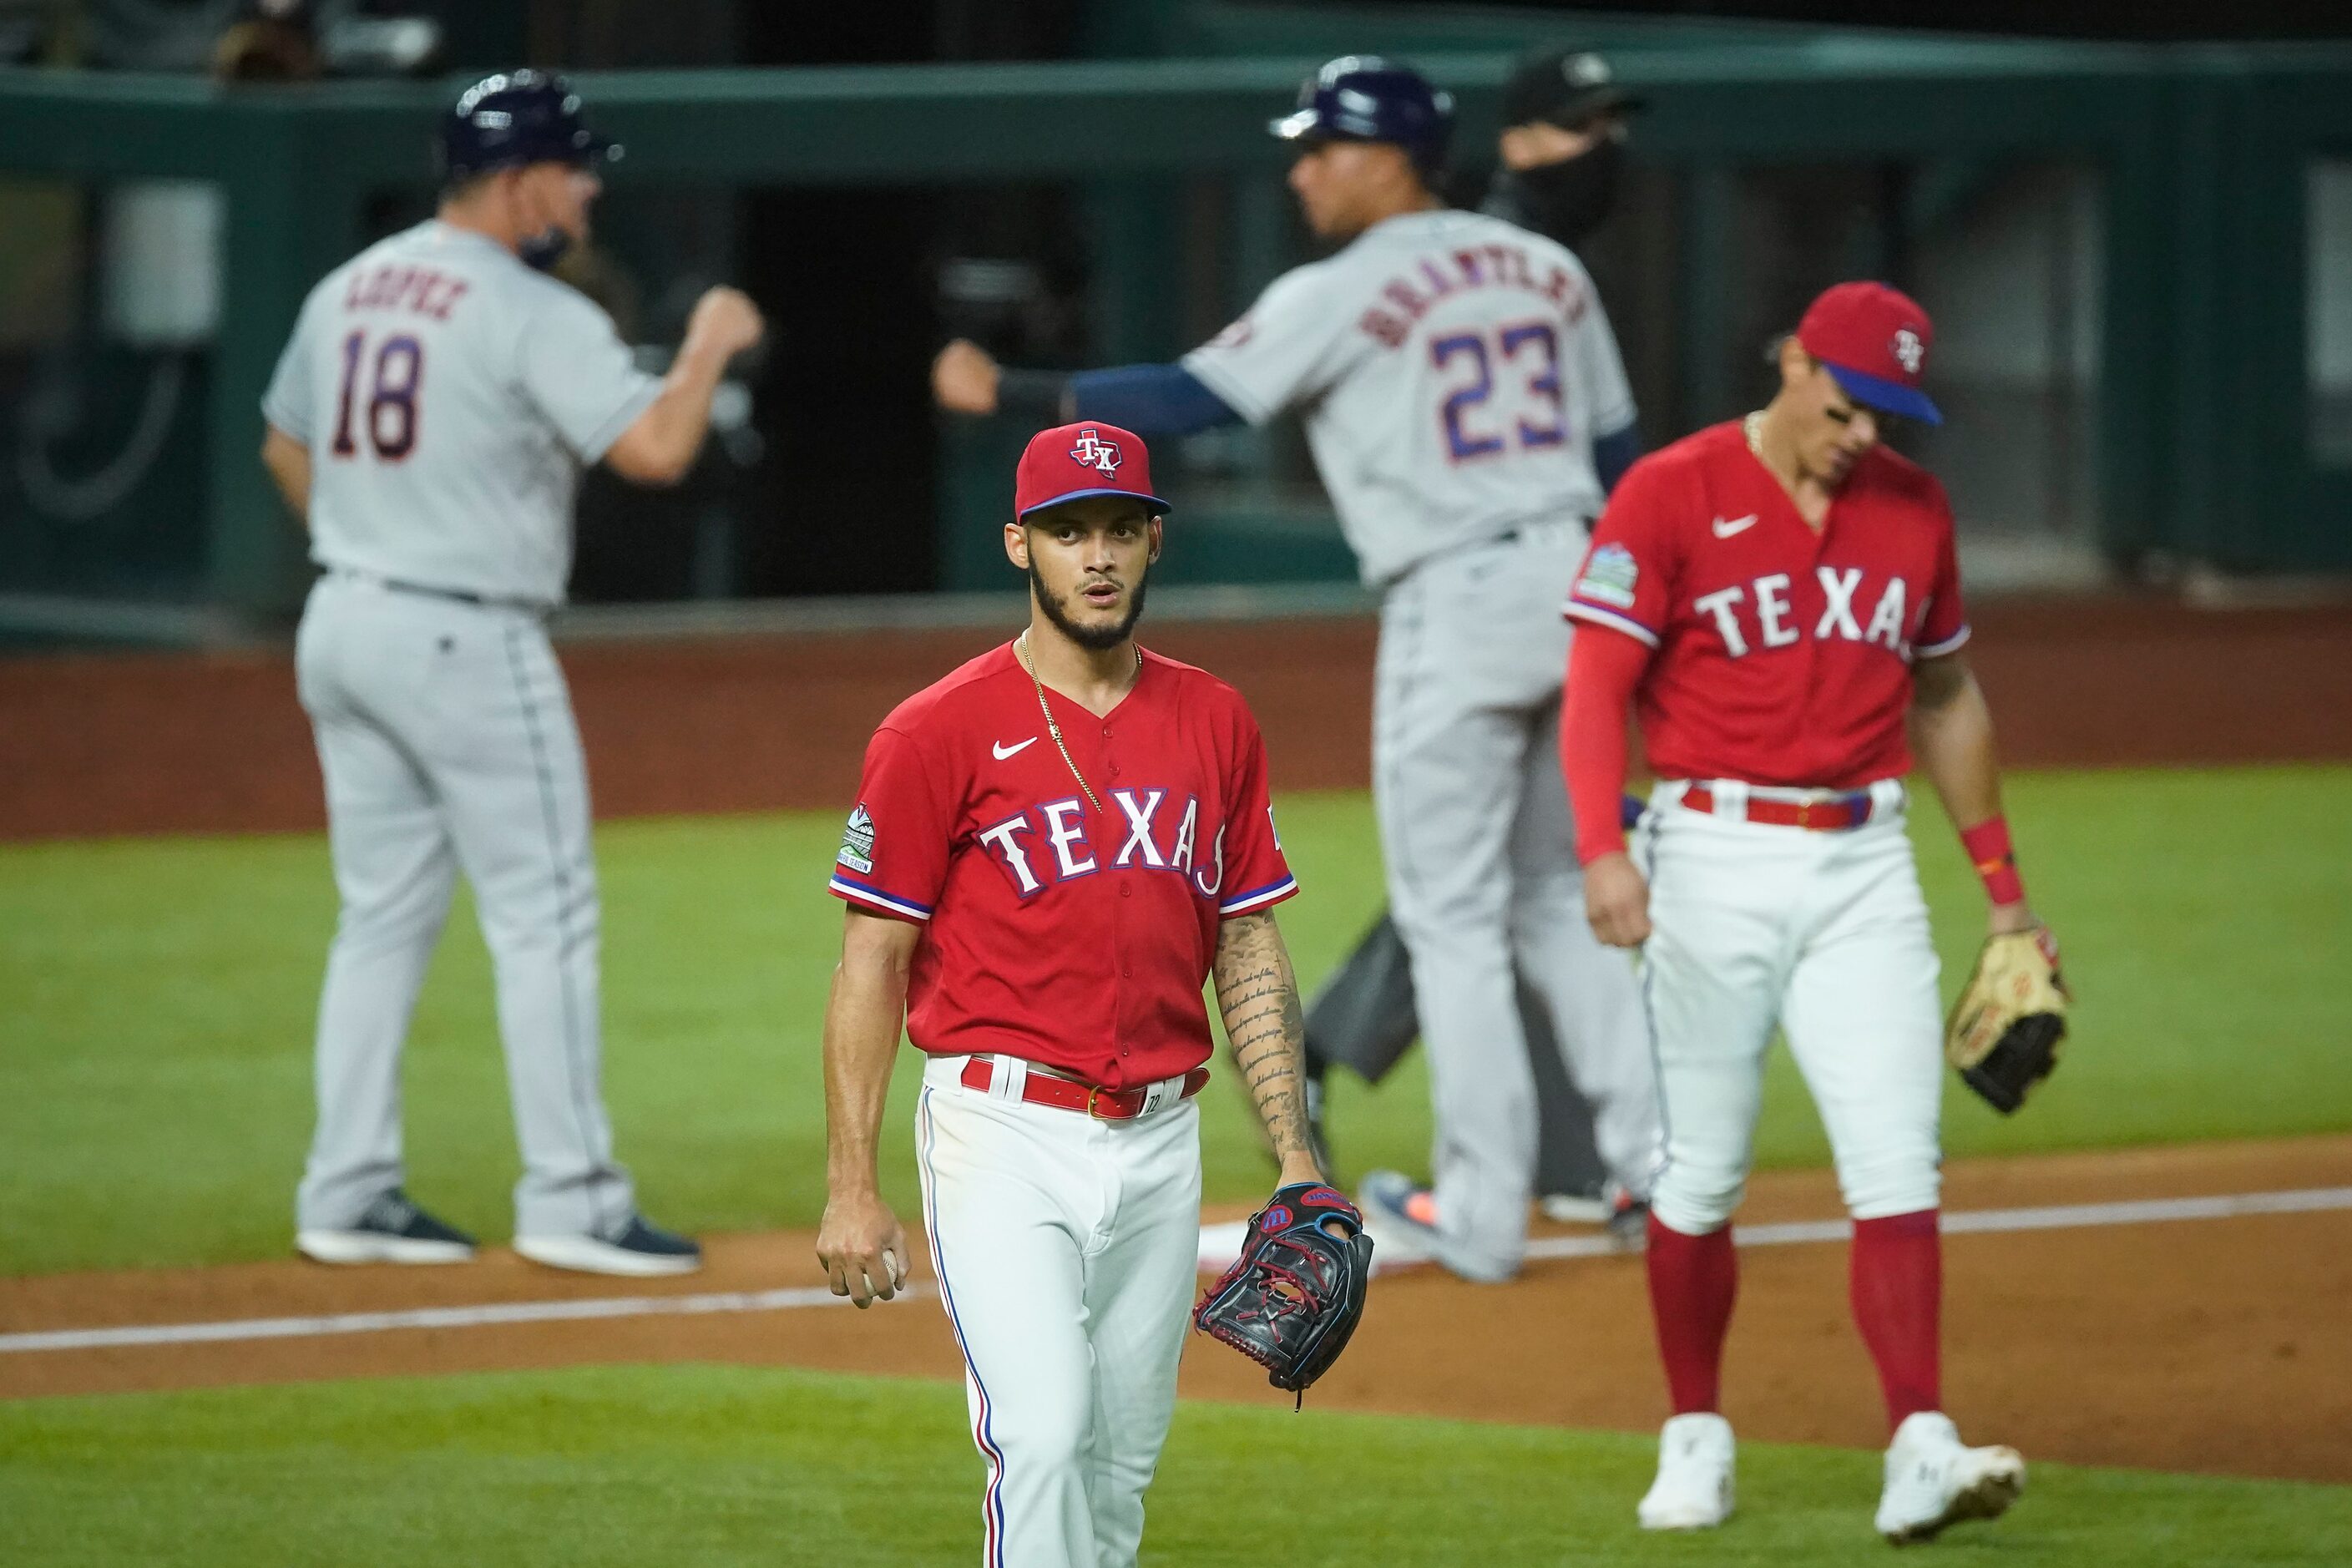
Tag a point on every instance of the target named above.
point(1693, 1491)
point(1933, 1479)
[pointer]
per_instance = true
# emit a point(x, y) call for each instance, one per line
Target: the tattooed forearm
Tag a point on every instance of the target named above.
point(1258, 995)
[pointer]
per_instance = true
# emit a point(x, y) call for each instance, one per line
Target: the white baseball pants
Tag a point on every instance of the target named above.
point(1823, 933)
point(1067, 1251)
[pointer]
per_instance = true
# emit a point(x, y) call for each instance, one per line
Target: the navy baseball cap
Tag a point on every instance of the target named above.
point(1363, 97)
point(519, 117)
point(1874, 341)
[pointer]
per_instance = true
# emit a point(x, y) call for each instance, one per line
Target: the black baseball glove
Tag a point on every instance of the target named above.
point(1293, 1297)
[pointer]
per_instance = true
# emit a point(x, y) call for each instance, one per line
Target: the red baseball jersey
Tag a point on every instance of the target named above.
point(1050, 933)
point(1783, 655)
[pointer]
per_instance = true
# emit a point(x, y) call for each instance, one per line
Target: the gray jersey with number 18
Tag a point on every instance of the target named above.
point(1453, 370)
point(450, 396)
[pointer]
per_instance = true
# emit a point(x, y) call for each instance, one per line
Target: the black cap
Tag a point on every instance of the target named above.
point(1564, 87)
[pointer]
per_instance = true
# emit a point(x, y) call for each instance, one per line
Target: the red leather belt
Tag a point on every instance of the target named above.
point(1829, 814)
point(1043, 1086)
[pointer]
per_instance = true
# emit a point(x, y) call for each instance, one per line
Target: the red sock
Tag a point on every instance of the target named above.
point(1693, 1281)
point(1897, 1284)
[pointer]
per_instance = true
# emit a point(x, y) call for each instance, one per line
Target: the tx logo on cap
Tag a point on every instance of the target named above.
point(1093, 452)
point(1909, 352)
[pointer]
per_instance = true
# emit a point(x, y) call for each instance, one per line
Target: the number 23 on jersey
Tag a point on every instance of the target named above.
point(1475, 427)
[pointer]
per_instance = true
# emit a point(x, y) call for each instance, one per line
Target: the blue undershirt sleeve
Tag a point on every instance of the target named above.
point(1150, 399)
point(1614, 453)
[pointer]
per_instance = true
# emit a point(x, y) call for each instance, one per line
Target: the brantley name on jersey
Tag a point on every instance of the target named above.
point(1405, 299)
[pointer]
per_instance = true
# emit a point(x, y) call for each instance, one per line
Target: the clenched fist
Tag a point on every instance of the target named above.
point(1617, 901)
point(725, 322)
point(963, 378)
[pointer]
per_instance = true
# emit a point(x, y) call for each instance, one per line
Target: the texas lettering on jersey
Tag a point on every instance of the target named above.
point(1071, 937)
point(1061, 825)
point(1762, 614)
point(1783, 654)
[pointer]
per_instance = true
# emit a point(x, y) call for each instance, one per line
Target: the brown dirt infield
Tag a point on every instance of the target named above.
point(2201, 1345)
point(2206, 1346)
point(212, 743)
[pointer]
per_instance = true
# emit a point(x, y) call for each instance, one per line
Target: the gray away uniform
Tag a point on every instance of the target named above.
point(449, 397)
point(1453, 370)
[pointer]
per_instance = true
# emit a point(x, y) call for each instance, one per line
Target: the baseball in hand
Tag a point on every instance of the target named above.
point(963, 378)
point(727, 320)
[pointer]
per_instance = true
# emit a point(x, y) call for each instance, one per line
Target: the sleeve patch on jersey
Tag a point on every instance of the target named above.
point(857, 842)
point(1610, 576)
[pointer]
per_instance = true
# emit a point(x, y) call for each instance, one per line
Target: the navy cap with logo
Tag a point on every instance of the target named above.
point(1363, 97)
point(517, 118)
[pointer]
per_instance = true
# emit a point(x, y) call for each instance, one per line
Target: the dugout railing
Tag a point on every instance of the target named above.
point(2211, 439)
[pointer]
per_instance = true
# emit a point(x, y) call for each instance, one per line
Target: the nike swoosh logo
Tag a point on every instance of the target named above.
point(1003, 751)
point(1737, 525)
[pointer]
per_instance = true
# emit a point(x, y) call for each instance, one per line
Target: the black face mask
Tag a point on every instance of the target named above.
point(542, 250)
point(1570, 199)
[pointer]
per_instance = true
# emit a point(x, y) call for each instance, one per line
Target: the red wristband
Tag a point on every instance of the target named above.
point(1996, 861)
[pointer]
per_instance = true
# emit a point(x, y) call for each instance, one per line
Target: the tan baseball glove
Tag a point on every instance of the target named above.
point(2004, 1030)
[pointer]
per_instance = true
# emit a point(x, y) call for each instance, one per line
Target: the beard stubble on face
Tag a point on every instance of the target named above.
point(1094, 638)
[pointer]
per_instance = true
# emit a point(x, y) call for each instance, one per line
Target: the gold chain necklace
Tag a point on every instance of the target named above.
point(1753, 428)
point(1021, 651)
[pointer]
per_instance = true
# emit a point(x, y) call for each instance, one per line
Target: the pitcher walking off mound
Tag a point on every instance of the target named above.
point(1776, 597)
point(1052, 848)
point(429, 421)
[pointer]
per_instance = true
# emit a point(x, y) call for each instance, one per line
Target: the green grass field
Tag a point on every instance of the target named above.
point(709, 1466)
point(154, 1102)
point(154, 1076)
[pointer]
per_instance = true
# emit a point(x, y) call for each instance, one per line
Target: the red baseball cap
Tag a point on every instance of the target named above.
point(1875, 341)
point(1071, 462)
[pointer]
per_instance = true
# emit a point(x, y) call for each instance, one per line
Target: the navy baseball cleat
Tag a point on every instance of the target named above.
point(639, 1248)
point(392, 1229)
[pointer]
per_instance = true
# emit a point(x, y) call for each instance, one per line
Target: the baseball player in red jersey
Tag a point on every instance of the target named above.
point(1778, 598)
point(1052, 848)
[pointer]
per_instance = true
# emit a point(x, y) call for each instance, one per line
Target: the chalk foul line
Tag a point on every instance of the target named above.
point(434, 1317)
point(1979, 1222)
point(1216, 1240)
